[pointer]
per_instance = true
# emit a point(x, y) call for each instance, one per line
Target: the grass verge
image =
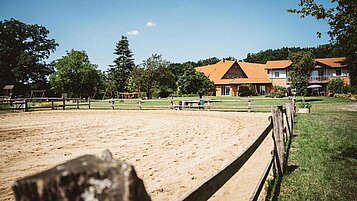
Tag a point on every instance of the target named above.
point(322, 162)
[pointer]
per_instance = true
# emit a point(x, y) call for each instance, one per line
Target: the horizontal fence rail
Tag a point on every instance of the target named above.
point(239, 104)
point(212, 185)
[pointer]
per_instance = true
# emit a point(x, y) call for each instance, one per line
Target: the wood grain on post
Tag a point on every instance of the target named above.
point(288, 119)
point(85, 178)
point(278, 136)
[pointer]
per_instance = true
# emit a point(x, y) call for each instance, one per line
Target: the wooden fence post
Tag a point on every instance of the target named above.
point(278, 137)
point(140, 106)
point(64, 103)
point(25, 105)
point(88, 102)
point(288, 119)
point(249, 105)
point(85, 178)
point(52, 105)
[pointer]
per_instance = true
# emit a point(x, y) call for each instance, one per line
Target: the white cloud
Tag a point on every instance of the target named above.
point(133, 33)
point(151, 24)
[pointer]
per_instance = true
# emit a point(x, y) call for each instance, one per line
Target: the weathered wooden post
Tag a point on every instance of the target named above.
point(209, 105)
point(249, 105)
point(88, 102)
point(52, 105)
point(112, 104)
point(64, 103)
point(278, 137)
point(85, 178)
point(140, 106)
point(77, 103)
point(25, 105)
point(288, 119)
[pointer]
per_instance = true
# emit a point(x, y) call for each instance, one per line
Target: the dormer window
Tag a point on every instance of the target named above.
point(276, 74)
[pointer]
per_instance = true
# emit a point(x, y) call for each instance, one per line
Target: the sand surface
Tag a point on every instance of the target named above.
point(172, 151)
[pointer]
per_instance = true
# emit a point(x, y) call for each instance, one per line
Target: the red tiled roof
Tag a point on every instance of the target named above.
point(329, 62)
point(332, 62)
point(278, 64)
point(255, 72)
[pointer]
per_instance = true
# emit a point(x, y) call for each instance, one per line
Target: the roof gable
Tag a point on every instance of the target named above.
point(254, 73)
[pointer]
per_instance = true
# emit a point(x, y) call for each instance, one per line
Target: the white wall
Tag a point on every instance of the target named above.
point(332, 72)
point(282, 73)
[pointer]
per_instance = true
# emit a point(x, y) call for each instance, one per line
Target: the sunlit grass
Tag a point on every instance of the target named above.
point(323, 154)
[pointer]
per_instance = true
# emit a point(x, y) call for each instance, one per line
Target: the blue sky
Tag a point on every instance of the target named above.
point(180, 30)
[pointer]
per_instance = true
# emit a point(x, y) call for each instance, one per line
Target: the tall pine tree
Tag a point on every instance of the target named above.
point(123, 65)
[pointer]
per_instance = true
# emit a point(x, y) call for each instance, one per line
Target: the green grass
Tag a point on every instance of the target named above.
point(322, 162)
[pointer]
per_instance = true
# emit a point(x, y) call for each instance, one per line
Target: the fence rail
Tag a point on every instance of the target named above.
point(242, 104)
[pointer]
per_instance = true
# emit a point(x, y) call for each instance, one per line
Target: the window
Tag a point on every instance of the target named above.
point(276, 74)
point(225, 90)
point(338, 72)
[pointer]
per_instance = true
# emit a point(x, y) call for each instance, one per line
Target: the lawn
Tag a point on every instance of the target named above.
point(322, 162)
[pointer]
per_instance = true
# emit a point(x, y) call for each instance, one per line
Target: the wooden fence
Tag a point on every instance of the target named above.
point(26, 104)
point(281, 127)
point(241, 104)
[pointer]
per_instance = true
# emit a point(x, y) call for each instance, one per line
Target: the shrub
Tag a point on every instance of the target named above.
point(278, 92)
point(247, 90)
point(336, 86)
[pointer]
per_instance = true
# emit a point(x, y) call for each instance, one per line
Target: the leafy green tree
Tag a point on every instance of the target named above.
point(154, 76)
point(123, 66)
point(321, 51)
point(336, 86)
point(341, 17)
point(76, 75)
point(24, 49)
point(194, 82)
point(204, 62)
point(302, 65)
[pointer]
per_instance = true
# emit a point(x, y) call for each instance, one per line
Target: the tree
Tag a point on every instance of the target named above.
point(194, 82)
point(321, 51)
point(336, 86)
point(123, 65)
point(153, 76)
point(23, 51)
point(302, 65)
point(76, 75)
point(341, 17)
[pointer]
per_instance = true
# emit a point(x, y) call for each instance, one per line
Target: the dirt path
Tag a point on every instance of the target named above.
point(172, 151)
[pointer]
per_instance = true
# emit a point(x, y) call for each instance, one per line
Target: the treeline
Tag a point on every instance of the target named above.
point(321, 51)
point(25, 49)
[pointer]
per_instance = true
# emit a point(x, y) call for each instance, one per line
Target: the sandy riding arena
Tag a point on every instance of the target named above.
point(172, 151)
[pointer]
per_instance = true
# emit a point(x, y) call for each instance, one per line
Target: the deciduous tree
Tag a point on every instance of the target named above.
point(194, 82)
point(76, 75)
point(341, 17)
point(153, 76)
point(24, 49)
point(302, 65)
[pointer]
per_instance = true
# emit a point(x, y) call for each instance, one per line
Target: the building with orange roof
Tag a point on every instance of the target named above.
point(228, 76)
point(325, 69)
